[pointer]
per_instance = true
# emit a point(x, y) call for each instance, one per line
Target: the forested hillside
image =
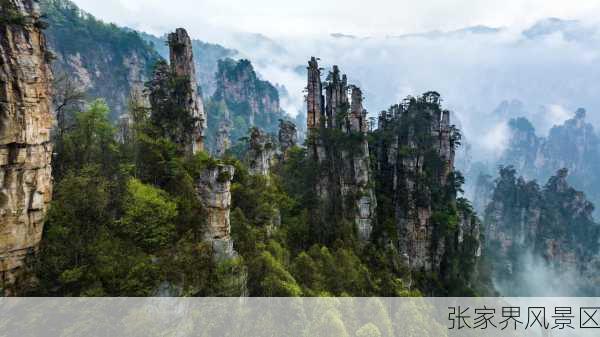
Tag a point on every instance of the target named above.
point(97, 59)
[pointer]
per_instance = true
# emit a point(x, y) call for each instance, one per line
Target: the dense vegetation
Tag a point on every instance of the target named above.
point(126, 220)
point(425, 182)
point(548, 230)
point(9, 14)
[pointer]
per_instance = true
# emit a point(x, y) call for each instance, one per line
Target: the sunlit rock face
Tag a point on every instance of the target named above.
point(25, 123)
point(214, 192)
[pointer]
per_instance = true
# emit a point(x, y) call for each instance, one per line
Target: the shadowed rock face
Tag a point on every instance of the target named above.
point(25, 123)
point(260, 154)
point(344, 180)
point(549, 228)
point(288, 136)
point(422, 141)
point(182, 67)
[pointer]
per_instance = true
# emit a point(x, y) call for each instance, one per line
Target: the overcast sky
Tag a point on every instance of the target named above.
point(277, 18)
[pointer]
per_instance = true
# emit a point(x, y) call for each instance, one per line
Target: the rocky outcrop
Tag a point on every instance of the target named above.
point(25, 123)
point(483, 191)
point(261, 153)
point(222, 140)
point(206, 66)
point(338, 143)
point(251, 101)
point(415, 149)
point(176, 108)
point(214, 192)
point(288, 136)
point(573, 145)
point(184, 70)
point(549, 229)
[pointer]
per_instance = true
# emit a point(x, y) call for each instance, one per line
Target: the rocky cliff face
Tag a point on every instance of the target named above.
point(25, 123)
point(176, 107)
point(415, 150)
point(338, 143)
point(261, 153)
point(102, 60)
point(206, 65)
point(547, 229)
point(573, 145)
point(247, 100)
point(184, 70)
point(288, 136)
point(239, 86)
point(214, 192)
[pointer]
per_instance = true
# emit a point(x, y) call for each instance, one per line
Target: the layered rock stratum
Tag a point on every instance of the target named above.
point(25, 124)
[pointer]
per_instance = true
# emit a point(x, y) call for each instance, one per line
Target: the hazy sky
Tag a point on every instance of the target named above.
point(205, 18)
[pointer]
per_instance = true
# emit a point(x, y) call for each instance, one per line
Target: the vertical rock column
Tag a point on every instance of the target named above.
point(366, 202)
point(314, 97)
point(343, 185)
point(260, 153)
point(25, 123)
point(214, 192)
point(182, 66)
point(288, 137)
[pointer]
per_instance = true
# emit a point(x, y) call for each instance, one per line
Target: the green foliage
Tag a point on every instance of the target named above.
point(126, 220)
point(91, 140)
point(149, 216)
point(10, 15)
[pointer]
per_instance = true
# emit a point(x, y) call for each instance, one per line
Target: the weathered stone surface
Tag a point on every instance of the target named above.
point(402, 161)
point(183, 67)
point(314, 98)
point(288, 136)
point(222, 141)
point(344, 182)
point(214, 192)
point(25, 123)
point(261, 152)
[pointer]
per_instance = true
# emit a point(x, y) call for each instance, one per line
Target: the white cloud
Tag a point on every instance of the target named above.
point(376, 17)
point(472, 72)
point(496, 139)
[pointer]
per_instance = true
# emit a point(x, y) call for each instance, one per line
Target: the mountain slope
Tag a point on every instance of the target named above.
point(102, 59)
